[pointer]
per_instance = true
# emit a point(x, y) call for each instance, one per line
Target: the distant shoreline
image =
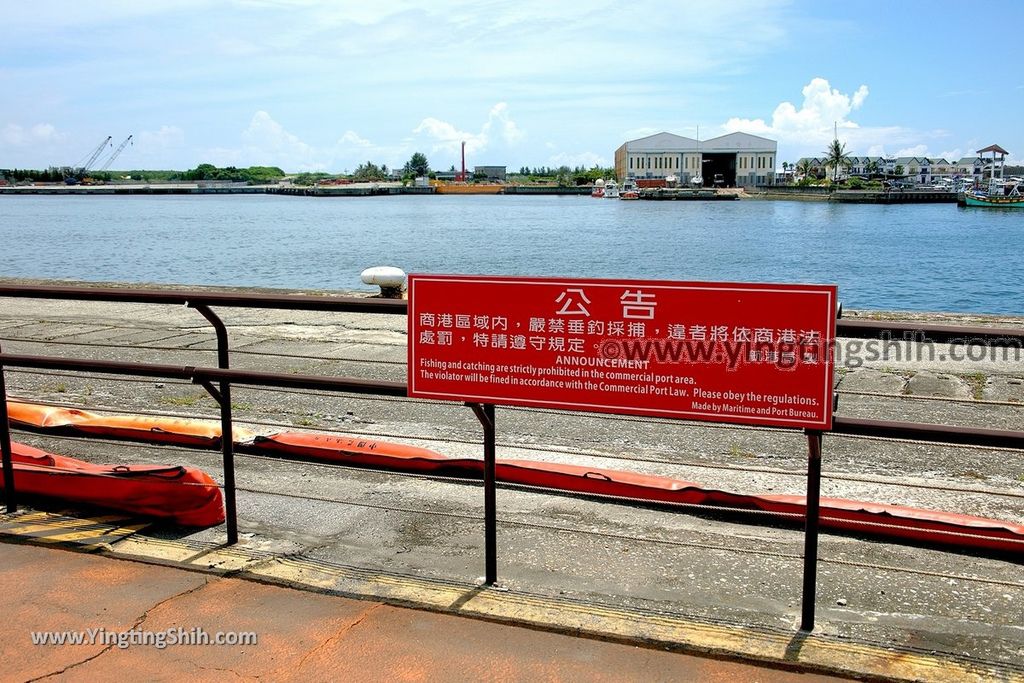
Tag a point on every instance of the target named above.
point(780, 193)
point(933, 317)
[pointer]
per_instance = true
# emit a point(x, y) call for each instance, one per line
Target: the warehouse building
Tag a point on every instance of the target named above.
point(735, 159)
point(490, 173)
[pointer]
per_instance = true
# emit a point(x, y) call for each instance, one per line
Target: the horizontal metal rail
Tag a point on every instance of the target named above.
point(854, 329)
point(928, 332)
point(295, 302)
point(912, 431)
point(917, 431)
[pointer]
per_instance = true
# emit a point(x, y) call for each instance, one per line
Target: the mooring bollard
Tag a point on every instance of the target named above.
point(390, 279)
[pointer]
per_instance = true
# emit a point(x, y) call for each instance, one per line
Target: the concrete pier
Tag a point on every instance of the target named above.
point(684, 579)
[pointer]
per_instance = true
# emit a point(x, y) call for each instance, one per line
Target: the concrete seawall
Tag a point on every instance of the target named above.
point(350, 190)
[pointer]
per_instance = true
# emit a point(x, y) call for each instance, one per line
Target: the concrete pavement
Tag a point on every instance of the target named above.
point(664, 578)
point(300, 635)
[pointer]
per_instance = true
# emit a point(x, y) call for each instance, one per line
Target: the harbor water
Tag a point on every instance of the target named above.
point(926, 257)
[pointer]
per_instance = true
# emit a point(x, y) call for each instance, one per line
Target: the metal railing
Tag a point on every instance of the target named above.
point(218, 382)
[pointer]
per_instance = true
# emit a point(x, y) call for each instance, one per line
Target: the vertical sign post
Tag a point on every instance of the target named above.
point(485, 413)
point(811, 530)
point(743, 353)
point(5, 447)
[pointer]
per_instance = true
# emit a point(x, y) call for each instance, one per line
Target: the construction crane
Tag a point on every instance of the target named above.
point(73, 174)
point(117, 152)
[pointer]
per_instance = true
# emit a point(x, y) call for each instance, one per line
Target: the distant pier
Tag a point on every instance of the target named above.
point(347, 190)
point(687, 194)
point(893, 197)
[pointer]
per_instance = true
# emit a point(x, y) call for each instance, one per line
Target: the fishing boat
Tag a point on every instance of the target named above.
point(611, 190)
point(999, 194)
point(629, 190)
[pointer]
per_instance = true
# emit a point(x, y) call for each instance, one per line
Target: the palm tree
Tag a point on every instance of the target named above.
point(836, 156)
point(804, 167)
point(872, 168)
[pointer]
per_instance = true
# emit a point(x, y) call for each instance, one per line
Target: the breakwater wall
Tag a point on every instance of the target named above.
point(353, 190)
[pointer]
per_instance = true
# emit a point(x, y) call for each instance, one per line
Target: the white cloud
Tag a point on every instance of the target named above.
point(167, 138)
point(41, 133)
point(508, 130)
point(585, 159)
point(353, 149)
point(447, 138)
point(807, 129)
point(859, 97)
point(915, 151)
point(641, 132)
point(823, 107)
point(266, 134)
point(351, 139)
point(265, 142)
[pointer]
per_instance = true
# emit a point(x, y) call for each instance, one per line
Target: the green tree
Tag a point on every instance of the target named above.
point(898, 171)
point(563, 176)
point(837, 157)
point(417, 165)
point(804, 167)
point(262, 175)
point(368, 171)
point(872, 168)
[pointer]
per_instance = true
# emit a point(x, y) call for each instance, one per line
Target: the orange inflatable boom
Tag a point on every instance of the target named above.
point(181, 495)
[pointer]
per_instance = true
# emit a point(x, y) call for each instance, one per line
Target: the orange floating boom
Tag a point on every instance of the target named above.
point(871, 519)
point(181, 495)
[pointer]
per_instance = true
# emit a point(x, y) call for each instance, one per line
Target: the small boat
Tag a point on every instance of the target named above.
point(629, 190)
point(998, 196)
point(598, 191)
point(1000, 193)
point(611, 190)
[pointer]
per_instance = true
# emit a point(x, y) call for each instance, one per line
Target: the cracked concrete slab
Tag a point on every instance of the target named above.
point(283, 634)
point(870, 380)
point(928, 383)
point(1010, 389)
point(38, 597)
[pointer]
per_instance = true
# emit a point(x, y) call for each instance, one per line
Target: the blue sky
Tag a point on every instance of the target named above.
point(328, 85)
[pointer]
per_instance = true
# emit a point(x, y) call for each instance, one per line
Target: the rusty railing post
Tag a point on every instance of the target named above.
point(485, 413)
point(813, 503)
point(5, 445)
point(227, 442)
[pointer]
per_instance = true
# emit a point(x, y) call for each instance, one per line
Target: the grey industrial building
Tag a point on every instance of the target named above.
point(739, 159)
point(491, 173)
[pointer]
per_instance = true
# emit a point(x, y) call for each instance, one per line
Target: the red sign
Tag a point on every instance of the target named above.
point(725, 352)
